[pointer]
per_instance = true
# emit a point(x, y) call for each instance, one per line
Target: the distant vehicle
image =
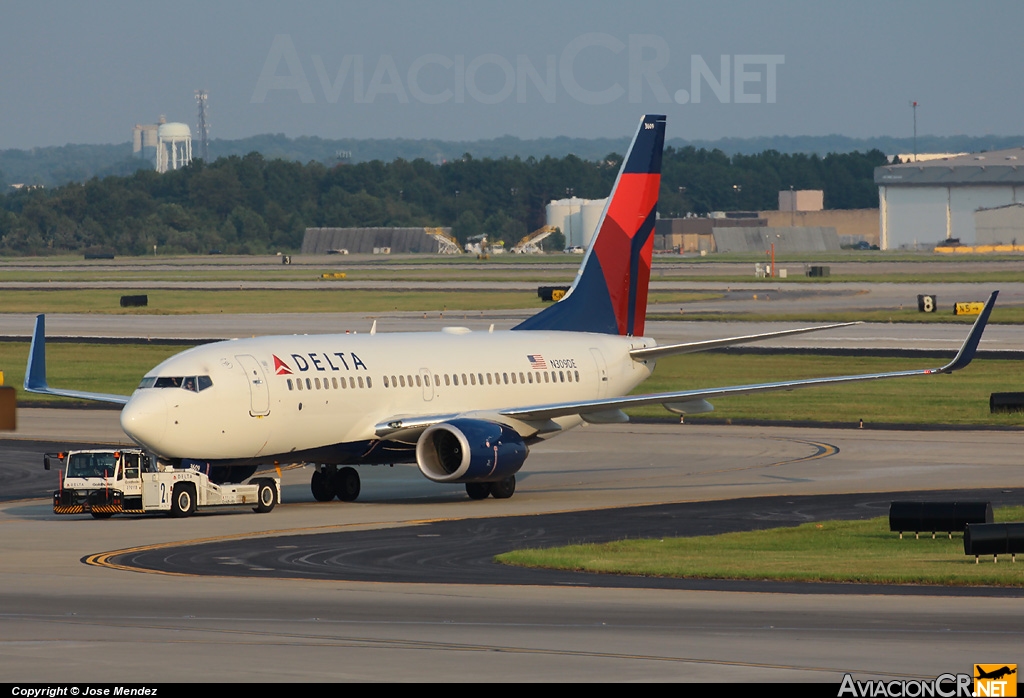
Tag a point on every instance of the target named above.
point(575, 249)
point(340, 250)
point(109, 481)
point(215, 252)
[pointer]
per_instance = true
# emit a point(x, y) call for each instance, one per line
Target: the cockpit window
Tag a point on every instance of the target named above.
point(193, 383)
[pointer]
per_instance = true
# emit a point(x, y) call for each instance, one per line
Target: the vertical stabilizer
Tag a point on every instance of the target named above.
point(609, 294)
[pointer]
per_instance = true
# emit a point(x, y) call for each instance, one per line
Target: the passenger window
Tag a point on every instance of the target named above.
point(447, 379)
point(316, 382)
point(488, 379)
point(334, 382)
point(309, 384)
point(472, 378)
point(402, 378)
point(419, 383)
point(352, 383)
point(360, 381)
point(504, 378)
point(369, 384)
point(289, 384)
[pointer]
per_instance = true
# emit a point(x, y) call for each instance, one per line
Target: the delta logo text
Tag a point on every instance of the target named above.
point(988, 680)
point(318, 361)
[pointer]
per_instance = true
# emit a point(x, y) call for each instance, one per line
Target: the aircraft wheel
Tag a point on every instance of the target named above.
point(346, 484)
point(478, 490)
point(320, 484)
point(503, 489)
point(266, 496)
point(183, 501)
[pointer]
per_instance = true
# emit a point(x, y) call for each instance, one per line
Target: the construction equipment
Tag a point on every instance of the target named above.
point(530, 244)
point(446, 244)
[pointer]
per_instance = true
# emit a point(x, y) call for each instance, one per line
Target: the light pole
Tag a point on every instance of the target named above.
point(569, 191)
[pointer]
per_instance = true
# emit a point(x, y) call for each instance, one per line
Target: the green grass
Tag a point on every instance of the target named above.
point(330, 299)
point(103, 368)
point(960, 398)
point(829, 551)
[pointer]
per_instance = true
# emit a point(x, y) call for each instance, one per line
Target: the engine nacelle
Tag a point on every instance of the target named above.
point(470, 450)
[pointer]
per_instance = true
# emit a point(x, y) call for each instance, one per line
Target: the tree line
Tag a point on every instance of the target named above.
point(251, 204)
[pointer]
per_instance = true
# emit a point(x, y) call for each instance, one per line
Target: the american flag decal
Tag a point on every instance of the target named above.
point(537, 361)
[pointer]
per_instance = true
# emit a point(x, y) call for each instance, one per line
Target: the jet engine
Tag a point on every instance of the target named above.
point(470, 450)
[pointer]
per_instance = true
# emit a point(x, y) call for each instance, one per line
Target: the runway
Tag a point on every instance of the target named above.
point(226, 627)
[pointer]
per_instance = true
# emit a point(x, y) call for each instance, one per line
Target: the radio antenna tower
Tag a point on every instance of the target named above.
point(202, 126)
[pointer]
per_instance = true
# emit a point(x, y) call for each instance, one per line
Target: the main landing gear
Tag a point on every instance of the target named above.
point(500, 489)
point(329, 482)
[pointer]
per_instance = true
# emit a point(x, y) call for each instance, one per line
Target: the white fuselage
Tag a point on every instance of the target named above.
point(267, 397)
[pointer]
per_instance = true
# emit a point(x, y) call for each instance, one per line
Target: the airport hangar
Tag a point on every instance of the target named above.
point(923, 203)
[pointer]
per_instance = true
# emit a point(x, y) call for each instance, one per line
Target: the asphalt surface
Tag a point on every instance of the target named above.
point(437, 552)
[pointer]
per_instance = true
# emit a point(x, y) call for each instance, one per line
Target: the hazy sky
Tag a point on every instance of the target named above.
point(86, 72)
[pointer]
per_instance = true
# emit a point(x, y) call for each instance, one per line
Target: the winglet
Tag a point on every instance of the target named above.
point(35, 371)
point(970, 345)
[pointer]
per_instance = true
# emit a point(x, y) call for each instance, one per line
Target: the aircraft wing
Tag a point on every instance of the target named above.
point(691, 347)
point(35, 372)
point(695, 401)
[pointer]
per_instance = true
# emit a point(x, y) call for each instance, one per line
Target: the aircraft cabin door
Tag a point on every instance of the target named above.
point(602, 372)
point(259, 391)
point(428, 384)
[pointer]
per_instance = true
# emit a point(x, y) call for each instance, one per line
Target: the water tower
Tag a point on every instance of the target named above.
point(173, 146)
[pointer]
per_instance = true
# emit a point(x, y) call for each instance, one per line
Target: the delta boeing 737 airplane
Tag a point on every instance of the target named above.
point(464, 406)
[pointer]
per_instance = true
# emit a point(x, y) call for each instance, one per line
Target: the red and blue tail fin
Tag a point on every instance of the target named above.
point(610, 292)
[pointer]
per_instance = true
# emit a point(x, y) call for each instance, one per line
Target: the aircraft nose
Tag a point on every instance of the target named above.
point(144, 418)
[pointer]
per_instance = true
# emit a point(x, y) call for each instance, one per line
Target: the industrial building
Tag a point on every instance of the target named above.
point(923, 203)
point(800, 225)
point(576, 218)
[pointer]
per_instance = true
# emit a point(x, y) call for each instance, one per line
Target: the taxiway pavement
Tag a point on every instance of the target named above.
point(183, 627)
